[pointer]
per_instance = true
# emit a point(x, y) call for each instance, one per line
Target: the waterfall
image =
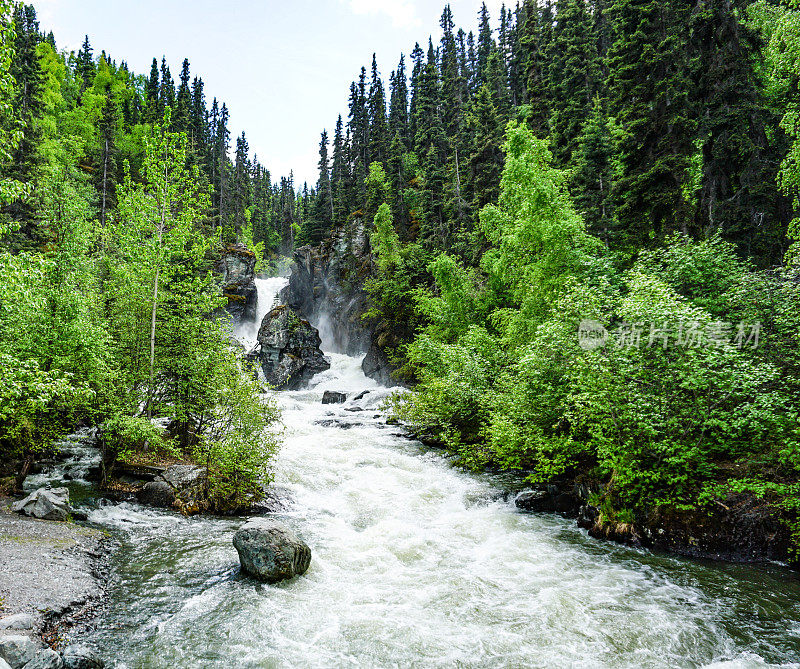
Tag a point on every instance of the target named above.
point(268, 289)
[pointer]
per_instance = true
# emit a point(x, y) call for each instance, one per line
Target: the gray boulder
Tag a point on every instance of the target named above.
point(4, 665)
point(271, 552)
point(19, 621)
point(17, 651)
point(333, 397)
point(46, 504)
point(181, 477)
point(46, 659)
point(156, 493)
point(81, 656)
point(289, 349)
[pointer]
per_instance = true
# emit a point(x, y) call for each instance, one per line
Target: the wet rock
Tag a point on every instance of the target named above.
point(551, 499)
point(271, 552)
point(361, 395)
point(333, 397)
point(289, 349)
point(327, 285)
point(81, 656)
point(237, 267)
point(19, 621)
point(46, 659)
point(181, 477)
point(45, 504)
point(376, 365)
point(156, 493)
point(17, 651)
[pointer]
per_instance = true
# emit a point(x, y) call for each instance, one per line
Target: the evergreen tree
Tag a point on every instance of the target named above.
point(738, 192)
point(322, 216)
point(85, 65)
point(649, 95)
point(573, 76)
point(378, 127)
point(153, 108)
point(594, 174)
point(183, 100)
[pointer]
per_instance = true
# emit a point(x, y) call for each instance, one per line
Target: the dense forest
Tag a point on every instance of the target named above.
point(629, 166)
point(583, 220)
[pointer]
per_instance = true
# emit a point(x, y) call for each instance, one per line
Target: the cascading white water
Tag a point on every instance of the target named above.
point(268, 289)
point(417, 564)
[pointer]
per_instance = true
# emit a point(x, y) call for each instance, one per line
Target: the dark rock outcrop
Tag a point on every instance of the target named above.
point(270, 552)
point(376, 365)
point(156, 493)
point(289, 349)
point(333, 397)
point(237, 267)
point(742, 529)
point(326, 287)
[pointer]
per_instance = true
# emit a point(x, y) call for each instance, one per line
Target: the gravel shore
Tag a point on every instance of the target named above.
point(51, 570)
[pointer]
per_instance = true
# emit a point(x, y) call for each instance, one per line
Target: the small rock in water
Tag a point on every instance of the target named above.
point(19, 621)
point(361, 395)
point(46, 659)
point(333, 397)
point(17, 651)
point(45, 504)
point(81, 656)
point(271, 552)
point(156, 493)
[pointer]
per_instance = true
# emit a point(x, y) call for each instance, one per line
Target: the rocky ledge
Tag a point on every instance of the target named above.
point(739, 529)
point(237, 267)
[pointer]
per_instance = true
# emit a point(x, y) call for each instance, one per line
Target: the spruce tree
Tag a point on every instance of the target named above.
point(378, 127)
point(573, 76)
point(649, 95)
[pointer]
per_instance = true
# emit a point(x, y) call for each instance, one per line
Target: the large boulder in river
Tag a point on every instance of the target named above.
point(271, 552)
point(289, 349)
point(237, 267)
point(45, 504)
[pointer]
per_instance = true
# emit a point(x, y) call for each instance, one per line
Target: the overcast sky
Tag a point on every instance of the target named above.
point(283, 67)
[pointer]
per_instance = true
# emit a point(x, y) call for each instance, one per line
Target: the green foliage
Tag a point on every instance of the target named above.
point(239, 440)
point(503, 379)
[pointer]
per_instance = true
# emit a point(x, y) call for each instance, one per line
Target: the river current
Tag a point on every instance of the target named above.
point(418, 564)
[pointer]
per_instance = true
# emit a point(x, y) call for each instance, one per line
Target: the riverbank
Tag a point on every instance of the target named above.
point(53, 571)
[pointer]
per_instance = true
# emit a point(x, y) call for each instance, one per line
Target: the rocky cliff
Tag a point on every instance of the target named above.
point(326, 287)
point(237, 267)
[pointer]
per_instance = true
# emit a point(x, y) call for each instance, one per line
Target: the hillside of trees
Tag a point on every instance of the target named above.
point(118, 194)
point(628, 167)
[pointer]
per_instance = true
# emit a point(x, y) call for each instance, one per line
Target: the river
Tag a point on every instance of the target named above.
point(418, 564)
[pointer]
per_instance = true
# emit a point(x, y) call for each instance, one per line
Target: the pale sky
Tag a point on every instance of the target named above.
point(284, 68)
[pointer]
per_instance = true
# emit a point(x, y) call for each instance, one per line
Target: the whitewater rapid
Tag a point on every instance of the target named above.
point(418, 564)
